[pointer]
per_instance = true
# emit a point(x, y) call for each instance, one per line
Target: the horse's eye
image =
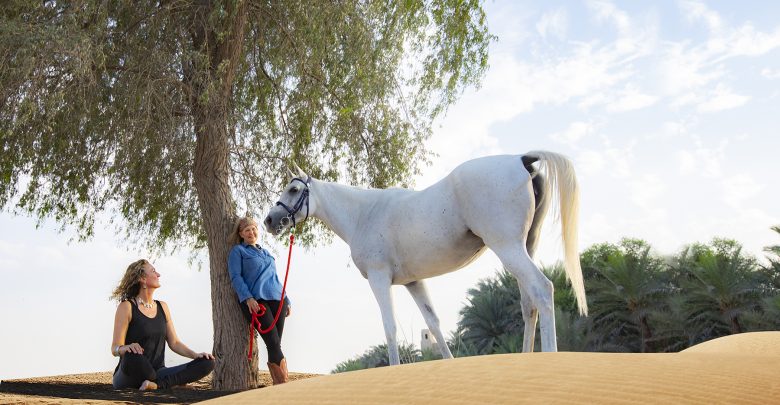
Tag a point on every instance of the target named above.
point(293, 190)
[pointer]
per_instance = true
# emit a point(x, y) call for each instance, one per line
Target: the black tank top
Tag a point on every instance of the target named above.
point(149, 333)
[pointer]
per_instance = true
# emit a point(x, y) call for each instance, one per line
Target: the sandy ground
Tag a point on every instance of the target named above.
point(95, 388)
point(738, 369)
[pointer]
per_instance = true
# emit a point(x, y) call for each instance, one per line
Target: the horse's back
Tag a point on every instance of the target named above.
point(444, 226)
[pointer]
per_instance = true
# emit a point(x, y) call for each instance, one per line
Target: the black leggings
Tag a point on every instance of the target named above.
point(133, 369)
point(272, 339)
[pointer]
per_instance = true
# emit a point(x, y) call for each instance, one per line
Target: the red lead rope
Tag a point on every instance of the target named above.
point(256, 316)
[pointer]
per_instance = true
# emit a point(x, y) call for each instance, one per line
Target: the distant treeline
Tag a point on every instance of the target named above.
point(639, 302)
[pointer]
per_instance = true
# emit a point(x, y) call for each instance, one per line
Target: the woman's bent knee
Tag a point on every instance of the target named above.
point(137, 366)
point(203, 366)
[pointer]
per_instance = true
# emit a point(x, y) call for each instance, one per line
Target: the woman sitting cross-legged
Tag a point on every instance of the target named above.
point(142, 325)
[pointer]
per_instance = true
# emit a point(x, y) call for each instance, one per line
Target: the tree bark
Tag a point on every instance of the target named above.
point(211, 82)
point(233, 371)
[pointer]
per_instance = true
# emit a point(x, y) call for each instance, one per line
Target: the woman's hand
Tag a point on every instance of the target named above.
point(131, 348)
point(205, 355)
point(289, 311)
point(254, 307)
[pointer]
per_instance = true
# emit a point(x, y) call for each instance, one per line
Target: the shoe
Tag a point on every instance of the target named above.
point(278, 372)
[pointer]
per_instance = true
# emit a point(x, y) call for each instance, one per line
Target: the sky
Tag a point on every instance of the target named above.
point(669, 111)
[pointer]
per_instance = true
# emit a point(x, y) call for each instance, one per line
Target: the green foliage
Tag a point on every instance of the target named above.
point(430, 354)
point(627, 292)
point(102, 104)
point(771, 272)
point(721, 286)
point(638, 301)
point(377, 356)
point(492, 312)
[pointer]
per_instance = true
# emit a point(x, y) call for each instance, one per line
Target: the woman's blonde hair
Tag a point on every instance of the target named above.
point(130, 285)
point(241, 223)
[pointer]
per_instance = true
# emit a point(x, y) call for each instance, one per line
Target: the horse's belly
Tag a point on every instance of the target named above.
point(427, 260)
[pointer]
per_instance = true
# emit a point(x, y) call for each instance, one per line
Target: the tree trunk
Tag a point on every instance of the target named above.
point(233, 371)
point(210, 81)
point(646, 335)
point(735, 326)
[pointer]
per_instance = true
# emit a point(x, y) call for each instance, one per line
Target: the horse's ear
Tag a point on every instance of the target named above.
point(301, 173)
point(292, 175)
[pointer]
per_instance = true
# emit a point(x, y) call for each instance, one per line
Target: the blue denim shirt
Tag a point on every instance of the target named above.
point(253, 273)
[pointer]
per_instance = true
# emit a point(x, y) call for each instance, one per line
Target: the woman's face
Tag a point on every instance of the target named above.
point(249, 233)
point(150, 278)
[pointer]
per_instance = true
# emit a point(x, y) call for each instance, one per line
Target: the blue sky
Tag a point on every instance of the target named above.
point(669, 110)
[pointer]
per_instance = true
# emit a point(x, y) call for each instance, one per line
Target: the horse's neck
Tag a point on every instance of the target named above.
point(340, 207)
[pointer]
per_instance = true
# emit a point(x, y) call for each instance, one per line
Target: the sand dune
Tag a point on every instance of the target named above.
point(742, 369)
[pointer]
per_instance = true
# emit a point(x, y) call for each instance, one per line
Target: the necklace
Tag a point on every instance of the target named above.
point(142, 302)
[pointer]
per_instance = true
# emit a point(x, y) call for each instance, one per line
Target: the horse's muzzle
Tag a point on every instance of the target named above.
point(277, 226)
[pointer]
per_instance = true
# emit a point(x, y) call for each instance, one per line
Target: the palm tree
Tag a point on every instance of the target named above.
point(775, 249)
point(628, 291)
point(768, 316)
point(574, 332)
point(721, 287)
point(772, 270)
point(493, 310)
point(376, 356)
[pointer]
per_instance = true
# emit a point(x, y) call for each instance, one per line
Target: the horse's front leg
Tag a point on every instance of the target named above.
point(380, 282)
point(420, 294)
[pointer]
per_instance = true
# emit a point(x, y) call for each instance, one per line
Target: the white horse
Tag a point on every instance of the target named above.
point(401, 237)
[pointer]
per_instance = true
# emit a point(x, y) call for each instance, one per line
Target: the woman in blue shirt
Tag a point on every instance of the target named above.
point(253, 274)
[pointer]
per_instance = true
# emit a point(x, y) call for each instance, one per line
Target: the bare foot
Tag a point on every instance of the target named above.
point(147, 385)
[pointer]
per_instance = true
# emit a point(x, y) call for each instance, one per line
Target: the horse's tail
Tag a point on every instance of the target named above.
point(558, 174)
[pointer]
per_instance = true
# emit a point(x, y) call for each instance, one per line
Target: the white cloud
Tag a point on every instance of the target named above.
point(740, 189)
point(705, 161)
point(746, 41)
point(684, 100)
point(590, 162)
point(646, 191)
point(614, 161)
point(686, 162)
point(630, 98)
point(606, 11)
point(722, 98)
point(553, 24)
point(574, 132)
point(695, 11)
point(771, 74)
point(618, 161)
point(671, 129)
point(599, 228)
point(725, 41)
point(688, 69)
point(683, 69)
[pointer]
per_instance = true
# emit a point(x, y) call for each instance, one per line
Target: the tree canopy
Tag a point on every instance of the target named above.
point(100, 101)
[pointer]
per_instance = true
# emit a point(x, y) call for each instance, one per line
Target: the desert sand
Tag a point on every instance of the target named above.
point(737, 369)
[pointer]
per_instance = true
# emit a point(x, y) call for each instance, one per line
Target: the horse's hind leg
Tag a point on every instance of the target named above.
point(536, 287)
point(420, 294)
point(530, 316)
point(380, 283)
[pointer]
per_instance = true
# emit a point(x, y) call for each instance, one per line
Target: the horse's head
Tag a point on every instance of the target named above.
point(293, 205)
